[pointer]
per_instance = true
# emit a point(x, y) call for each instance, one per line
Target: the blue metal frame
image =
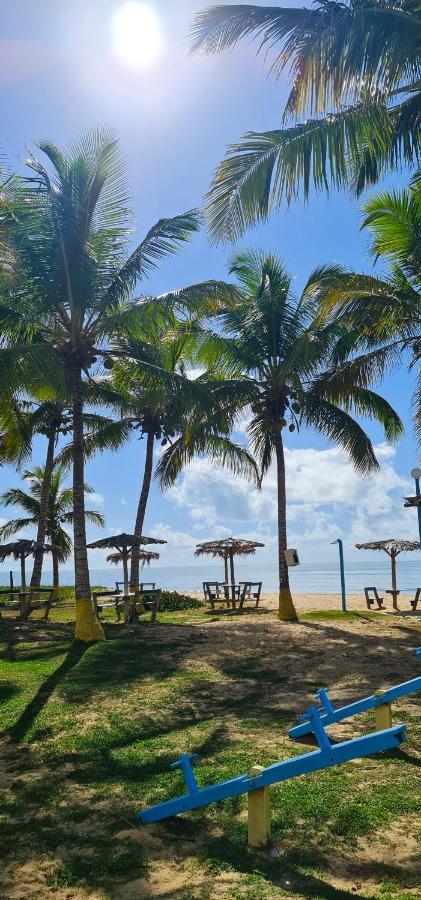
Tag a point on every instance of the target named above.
point(339, 542)
point(418, 494)
point(327, 755)
point(329, 715)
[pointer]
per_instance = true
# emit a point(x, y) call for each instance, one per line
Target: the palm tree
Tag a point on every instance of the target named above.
point(20, 421)
point(384, 312)
point(74, 277)
point(353, 111)
point(59, 512)
point(189, 412)
point(284, 353)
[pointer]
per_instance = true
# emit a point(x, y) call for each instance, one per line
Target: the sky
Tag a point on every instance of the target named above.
point(65, 68)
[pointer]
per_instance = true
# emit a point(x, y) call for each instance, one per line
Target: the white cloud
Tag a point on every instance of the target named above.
point(95, 498)
point(326, 499)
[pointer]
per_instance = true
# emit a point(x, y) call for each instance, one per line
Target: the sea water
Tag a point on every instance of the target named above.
point(308, 578)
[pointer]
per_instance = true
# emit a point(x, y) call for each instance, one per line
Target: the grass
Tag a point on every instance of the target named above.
point(337, 615)
point(91, 731)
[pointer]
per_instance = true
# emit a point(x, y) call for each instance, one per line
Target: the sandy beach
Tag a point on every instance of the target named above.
point(309, 602)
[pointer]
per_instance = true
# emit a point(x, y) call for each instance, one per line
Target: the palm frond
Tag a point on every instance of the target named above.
point(332, 50)
point(263, 169)
point(338, 426)
point(14, 526)
point(162, 240)
point(207, 445)
point(394, 220)
point(95, 518)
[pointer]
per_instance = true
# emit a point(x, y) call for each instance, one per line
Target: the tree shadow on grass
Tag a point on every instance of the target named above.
point(26, 719)
point(230, 852)
point(8, 690)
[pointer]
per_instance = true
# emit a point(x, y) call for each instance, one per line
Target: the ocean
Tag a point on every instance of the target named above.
point(309, 577)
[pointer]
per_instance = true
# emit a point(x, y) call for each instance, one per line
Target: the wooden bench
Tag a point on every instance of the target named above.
point(215, 592)
point(24, 601)
point(112, 599)
point(144, 586)
point(144, 601)
point(376, 599)
point(133, 604)
point(250, 590)
point(414, 603)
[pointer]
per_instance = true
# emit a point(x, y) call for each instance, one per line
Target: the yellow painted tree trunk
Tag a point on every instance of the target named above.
point(88, 628)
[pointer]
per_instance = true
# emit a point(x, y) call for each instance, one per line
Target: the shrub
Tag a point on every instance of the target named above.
point(172, 601)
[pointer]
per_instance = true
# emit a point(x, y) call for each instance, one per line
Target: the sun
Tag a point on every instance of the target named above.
point(137, 38)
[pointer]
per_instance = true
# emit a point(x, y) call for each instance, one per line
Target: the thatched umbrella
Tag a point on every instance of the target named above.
point(20, 550)
point(227, 548)
point(124, 544)
point(392, 548)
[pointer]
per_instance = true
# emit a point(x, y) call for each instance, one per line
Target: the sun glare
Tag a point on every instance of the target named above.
point(137, 36)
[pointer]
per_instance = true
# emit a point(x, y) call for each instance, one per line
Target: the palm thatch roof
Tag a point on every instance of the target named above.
point(145, 557)
point(390, 546)
point(124, 542)
point(228, 547)
point(22, 547)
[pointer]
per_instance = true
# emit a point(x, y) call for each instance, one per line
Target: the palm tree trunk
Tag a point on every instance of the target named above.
point(56, 574)
point(22, 571)
point(141, 509)
point(43, 510)
point(88, 628)
point(287, 611)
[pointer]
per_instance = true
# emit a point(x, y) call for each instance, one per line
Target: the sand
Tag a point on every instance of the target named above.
point(311, 602)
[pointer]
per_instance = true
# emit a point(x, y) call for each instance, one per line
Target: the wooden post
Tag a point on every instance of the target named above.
point(382, 714)
point(258, 813)
point(393, 556)
point(22, 571)
point(232, 573)
point(227, 592)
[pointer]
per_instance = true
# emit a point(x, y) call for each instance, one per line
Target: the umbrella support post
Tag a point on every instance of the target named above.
point(379, 701)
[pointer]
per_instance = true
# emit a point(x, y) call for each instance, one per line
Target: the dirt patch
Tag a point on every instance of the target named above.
point(248, 676)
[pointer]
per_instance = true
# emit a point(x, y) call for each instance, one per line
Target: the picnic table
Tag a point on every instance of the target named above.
point(24, 602)
point(229, 592)
point(133, 603)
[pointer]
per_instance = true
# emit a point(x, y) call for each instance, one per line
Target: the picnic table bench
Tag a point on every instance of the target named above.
point(24, 602)
point(133, 604)
point(375, 599)
point(144, 586)
point(394, 594)
point(230, 593)
point(250, 590)
point(416, 600)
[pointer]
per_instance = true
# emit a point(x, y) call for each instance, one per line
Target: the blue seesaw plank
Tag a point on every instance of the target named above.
point(327, 755)
point(329, 715)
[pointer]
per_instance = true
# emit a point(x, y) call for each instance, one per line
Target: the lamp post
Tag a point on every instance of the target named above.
point(416, 475)
point(342, 569)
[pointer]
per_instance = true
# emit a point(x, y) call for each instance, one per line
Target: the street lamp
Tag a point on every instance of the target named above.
point(416, 475)
point(342, 568)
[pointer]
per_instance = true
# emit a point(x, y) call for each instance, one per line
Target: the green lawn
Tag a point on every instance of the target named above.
point(90, 733)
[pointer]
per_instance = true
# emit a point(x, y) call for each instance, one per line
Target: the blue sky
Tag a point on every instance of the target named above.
point(59, 76)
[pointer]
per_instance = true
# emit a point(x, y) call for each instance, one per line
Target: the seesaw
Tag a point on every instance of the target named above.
point(380, 702)
point(256, 783)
